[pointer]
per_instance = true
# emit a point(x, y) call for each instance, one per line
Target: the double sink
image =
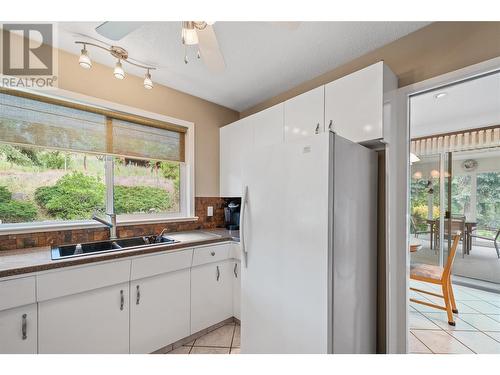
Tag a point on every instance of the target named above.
point(89, 248)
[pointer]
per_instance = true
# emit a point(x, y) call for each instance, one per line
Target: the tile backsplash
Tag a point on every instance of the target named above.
point(36, 239)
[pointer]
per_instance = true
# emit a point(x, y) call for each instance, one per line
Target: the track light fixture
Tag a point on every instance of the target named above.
point(121, 55)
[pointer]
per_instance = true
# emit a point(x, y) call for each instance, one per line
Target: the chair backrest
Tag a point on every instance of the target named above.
point(451, 255)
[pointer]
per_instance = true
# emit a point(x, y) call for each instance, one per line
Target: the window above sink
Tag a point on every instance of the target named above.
point(60, 162)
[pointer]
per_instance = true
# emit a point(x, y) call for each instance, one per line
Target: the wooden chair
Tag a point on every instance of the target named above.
point(440, 276)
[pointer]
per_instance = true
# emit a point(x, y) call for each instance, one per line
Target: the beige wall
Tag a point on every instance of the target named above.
point(438, 48)
point(208, 117)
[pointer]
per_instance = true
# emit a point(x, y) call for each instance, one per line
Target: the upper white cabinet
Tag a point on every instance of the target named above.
point(354, 103)
point(240, 138)
point(304, 114)
point(267, 126)
point(236, 141)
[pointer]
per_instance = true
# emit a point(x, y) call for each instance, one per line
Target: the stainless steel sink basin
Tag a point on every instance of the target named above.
point(89, 248)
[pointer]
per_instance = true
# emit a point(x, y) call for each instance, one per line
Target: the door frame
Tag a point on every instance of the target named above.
point(397, 139)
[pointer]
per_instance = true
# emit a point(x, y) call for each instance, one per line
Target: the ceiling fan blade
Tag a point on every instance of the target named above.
point(209, 49)
point(289, 25)
point(117, 30)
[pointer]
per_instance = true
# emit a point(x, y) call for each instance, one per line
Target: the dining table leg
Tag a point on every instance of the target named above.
point(431, 233)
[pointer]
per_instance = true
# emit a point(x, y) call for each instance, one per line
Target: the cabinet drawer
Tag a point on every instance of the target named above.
point(77, 280)
point(17, 292)
point(162, 263)
point(209, 254)
point(235, 251)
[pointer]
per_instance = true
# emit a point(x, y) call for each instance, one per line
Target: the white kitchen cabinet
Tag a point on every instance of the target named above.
point(18, 330)
point(236, 141)
point(159, 311)
point(236, 289)
point(267, 126)
point(304, 115)
point(354, 103)
point(211, 294)
point(95, 321)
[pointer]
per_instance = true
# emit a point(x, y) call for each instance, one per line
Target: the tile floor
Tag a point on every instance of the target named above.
point(477, 327)
point(222, 340)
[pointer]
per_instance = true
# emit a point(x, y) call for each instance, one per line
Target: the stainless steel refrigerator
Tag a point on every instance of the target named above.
point(309, 241)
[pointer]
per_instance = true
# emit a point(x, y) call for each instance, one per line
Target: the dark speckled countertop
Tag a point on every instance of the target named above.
point(17, 262)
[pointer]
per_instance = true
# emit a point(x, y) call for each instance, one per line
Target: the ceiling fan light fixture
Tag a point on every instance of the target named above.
point(189, 35)
point(148, 83)
point(84, 59)
point(118, 72)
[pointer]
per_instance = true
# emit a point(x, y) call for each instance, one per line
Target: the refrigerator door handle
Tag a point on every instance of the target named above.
point(242, 225)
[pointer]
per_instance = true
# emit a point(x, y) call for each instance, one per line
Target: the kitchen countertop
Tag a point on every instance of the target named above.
point(17, 262)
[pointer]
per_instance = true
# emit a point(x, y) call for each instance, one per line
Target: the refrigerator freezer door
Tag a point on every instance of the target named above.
point(355, 248)
point(285, 284)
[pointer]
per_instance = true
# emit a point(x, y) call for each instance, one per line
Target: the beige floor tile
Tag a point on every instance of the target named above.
point(441, 342)
point(494, 335)
point(483, 306)
point(481, 322)
point(237, 336)
point(180, 350)
point(220, 337)
point(419, 321)
point(208, 350)
point(191, 343)
point(464, 309)
point(494, 317)
point(478, 342)
point(235, 351)
point(416, 346)
point(441, 319)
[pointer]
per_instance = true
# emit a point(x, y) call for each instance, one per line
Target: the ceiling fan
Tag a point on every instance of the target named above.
point(200, 34)
point(193, 33)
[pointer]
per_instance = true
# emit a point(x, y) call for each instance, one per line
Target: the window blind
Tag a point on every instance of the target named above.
point(32, 122)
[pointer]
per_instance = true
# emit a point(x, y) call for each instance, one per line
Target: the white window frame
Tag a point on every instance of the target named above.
point(187, 183)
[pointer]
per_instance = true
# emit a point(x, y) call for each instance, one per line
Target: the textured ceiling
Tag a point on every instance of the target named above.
point(263, 59)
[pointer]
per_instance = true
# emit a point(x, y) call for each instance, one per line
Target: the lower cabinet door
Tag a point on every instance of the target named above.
point(96, 321)
point(159, 311)
point(211, 294)
point(18, 330)
point(236, 289)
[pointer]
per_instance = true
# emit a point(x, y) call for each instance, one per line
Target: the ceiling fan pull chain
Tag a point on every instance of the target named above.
point(198, 55)
point(185, 55)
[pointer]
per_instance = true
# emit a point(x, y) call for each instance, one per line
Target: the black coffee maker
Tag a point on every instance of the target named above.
point(232, 215)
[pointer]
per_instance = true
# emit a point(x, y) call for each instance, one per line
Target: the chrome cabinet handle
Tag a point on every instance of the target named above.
point(235, 270)
point(330, 125)
point(138, 295)
point(24, 327)
point(218, 273)
point(122, 300)
point(317, 129)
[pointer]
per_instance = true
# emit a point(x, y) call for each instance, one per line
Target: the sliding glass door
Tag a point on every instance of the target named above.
point(430, 208)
